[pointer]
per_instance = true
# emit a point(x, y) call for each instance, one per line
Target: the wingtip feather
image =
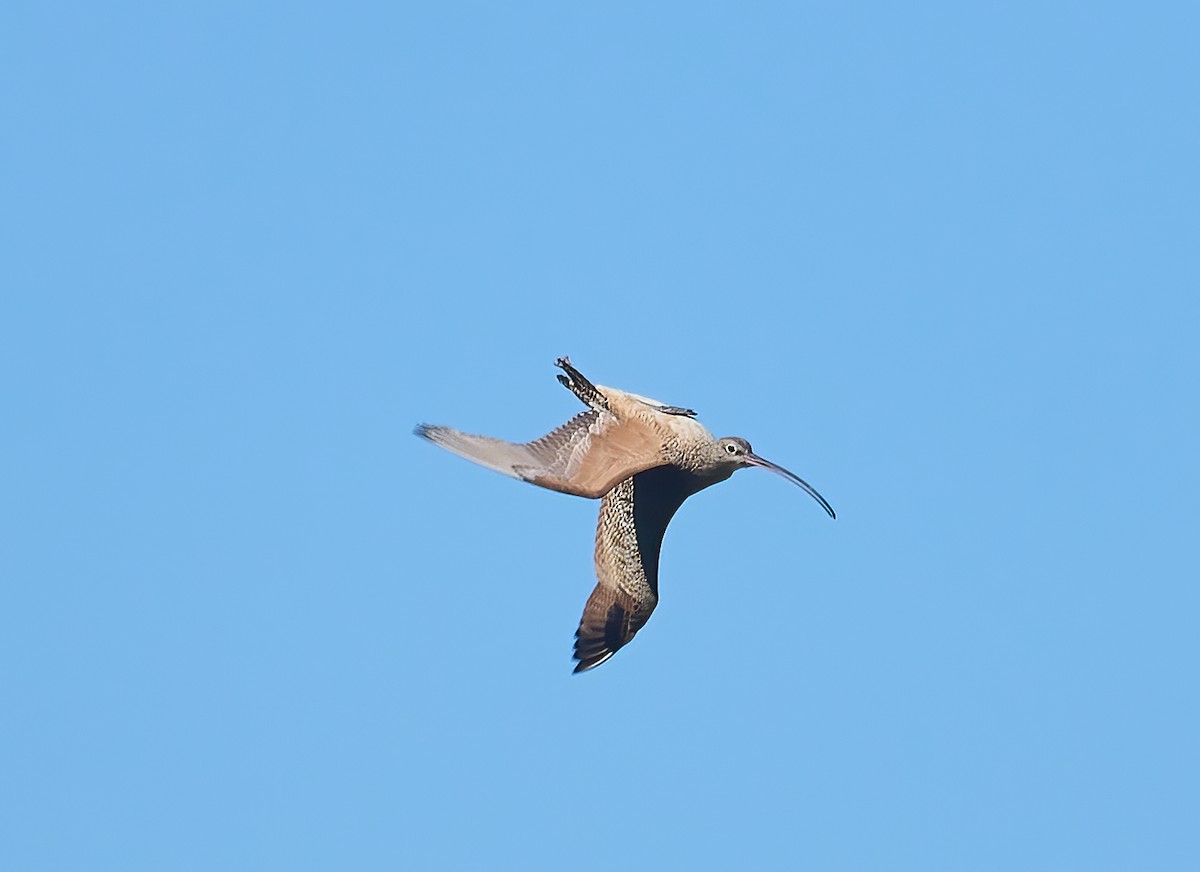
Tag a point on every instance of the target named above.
point(435, 433)
point(591, 662)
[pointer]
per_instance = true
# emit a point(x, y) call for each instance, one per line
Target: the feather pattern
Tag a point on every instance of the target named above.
point(587, 456)
point(633, 518)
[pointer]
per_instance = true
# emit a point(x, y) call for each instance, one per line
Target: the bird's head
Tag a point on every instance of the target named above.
point(734, 453)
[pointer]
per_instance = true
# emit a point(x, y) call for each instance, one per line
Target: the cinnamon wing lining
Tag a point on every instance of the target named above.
point(596, 458)
point(587, 456)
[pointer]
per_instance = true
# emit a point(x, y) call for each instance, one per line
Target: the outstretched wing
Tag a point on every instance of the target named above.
point(633, 518)
point(586, 456)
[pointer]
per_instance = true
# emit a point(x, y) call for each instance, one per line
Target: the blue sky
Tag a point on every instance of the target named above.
point(939, 259)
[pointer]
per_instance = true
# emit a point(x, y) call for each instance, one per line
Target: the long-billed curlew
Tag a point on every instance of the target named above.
point(643, 459)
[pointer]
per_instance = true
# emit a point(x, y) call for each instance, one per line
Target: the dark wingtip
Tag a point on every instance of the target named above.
point(591, 662)
point(596, 642)
point(590, 651)
point(422, 430)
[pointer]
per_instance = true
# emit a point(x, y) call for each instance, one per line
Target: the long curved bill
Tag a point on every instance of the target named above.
point(755, 460)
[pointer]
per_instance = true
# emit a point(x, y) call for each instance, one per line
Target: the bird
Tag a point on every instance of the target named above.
point(641, 458)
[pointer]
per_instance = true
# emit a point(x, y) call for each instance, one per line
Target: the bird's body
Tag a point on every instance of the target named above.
point(642, 458)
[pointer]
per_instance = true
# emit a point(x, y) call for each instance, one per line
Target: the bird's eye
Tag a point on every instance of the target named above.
point(731, 447)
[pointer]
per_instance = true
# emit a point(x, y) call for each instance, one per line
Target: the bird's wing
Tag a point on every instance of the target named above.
point(586, 456)
point(633, 518)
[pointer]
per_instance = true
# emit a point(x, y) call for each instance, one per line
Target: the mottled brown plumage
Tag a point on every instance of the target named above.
point(643, 459)
point(633, 518)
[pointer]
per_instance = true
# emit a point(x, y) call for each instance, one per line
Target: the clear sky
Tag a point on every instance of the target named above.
point(940, 259)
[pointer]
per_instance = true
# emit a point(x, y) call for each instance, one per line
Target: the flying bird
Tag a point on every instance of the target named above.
point(641, 459)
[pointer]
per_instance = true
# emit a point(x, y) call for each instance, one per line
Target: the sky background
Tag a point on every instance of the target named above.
point(939, 259)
